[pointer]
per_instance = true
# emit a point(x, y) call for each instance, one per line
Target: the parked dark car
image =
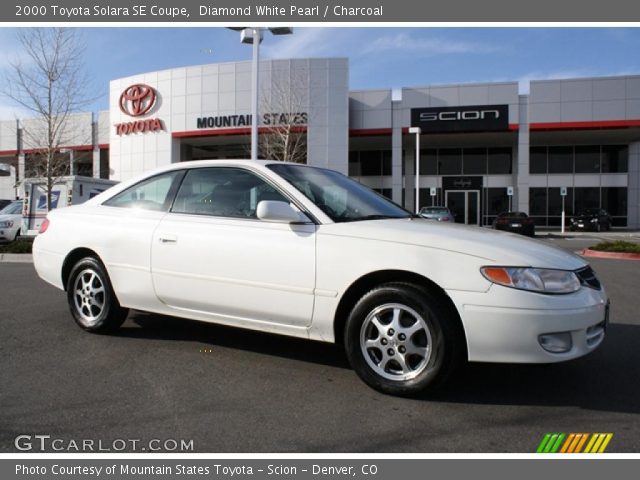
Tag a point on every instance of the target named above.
point(4, 203)
point(594, 219)
point(516, 222)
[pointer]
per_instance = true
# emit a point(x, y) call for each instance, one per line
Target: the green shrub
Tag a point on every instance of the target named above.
point(22, 245)
point(617, 246)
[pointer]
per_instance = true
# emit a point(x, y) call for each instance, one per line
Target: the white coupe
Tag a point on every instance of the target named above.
point(308, 252)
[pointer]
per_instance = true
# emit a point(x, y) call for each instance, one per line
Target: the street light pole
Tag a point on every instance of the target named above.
point(253, 35)
point(417, 131)
point(257, 38)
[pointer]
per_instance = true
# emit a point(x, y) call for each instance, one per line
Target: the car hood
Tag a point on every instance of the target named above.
point(498, 248)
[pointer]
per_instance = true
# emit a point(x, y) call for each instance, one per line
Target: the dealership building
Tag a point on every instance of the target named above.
point(484, 147)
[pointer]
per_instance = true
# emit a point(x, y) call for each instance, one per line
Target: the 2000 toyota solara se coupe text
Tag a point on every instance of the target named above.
point(308, 252)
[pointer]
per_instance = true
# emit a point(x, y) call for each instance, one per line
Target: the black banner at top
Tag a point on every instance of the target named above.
point(472, 118)
point(317, 11)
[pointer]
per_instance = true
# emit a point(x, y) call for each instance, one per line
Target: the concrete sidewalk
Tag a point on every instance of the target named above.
point(16, 258)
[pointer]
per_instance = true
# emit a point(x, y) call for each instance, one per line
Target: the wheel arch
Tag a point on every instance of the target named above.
point(369, 281)
point(72, 258)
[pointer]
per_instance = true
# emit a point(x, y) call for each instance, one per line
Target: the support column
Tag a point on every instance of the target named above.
point(96, 147)
point(521, 165)
point(396, 152)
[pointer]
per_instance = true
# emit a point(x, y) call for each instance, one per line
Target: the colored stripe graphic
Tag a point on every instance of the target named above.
point(574, 443)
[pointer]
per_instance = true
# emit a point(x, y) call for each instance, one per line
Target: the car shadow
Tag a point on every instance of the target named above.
point(603, 380)
point(164, 327)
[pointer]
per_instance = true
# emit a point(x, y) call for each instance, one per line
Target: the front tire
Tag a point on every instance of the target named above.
point(91, 299)
point(401, 339)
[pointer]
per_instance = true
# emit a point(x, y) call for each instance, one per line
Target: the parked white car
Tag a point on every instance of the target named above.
point(10, 221)
point(308, 252)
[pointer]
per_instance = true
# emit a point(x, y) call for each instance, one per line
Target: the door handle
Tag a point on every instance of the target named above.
point(168, 239)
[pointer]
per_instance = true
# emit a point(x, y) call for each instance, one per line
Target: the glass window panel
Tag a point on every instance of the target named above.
point(500, 161)
point(586, 197)
point(560, 159)
point(538, 201)
point(450, 161)
point(474, 161)
point(538, 160)
point(386, 162)
point(614, 200)
point(429, 162)
point(615, 159)
point(555, 202)
point(497, 200)
point(588, 159)
point(371, 163)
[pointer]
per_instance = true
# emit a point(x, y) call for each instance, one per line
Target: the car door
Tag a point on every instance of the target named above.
point(211, 254)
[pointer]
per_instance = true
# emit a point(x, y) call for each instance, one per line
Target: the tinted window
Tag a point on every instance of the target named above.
point(450, 161)
point(499, 161)
point(475, 161)
point(615, 159)
point(371, 163)
point(560, 160)
point(538, 160)
point(537, 201)
point(150, 194)
point(223, 192)
point(429, 162)
point(588, 159)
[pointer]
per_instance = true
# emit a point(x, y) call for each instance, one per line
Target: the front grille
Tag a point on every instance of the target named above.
point(588, 278)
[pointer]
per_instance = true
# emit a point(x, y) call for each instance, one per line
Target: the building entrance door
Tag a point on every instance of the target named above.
point(464, 205)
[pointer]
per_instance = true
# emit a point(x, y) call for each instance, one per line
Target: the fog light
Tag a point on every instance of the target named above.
point(556, 342)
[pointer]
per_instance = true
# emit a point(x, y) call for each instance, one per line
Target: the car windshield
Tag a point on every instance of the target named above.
point(339, 197)
point(13, 208)
point(432, 210)
point(513, 214)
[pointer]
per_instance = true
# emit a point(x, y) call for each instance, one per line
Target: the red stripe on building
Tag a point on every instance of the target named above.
point(230, 131)
point(591, 125)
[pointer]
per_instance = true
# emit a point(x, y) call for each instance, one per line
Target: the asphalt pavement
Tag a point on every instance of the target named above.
point(231, 390)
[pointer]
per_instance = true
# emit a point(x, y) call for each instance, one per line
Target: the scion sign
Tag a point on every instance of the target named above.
point(475, 118)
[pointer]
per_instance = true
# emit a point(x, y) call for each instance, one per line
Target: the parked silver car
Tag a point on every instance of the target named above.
point(10, 221)
point(441, 214)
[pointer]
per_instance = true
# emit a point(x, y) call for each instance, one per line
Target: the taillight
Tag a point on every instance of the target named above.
point(44, 225)
point(502, 221)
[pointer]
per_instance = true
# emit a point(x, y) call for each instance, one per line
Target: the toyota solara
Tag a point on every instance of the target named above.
point(302, 251)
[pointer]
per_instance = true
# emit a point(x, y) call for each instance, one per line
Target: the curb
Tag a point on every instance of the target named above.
point(587, 252)
point(16, 258)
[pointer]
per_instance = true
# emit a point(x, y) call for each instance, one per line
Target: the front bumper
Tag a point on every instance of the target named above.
point(505, 324)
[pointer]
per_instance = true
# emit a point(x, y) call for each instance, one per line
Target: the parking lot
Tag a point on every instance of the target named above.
point(231, 390)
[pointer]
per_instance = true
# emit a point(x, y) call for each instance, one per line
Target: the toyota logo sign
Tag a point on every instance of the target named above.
point(138, 99)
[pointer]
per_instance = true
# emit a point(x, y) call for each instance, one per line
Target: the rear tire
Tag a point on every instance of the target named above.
point(91, 299)
point(402, 340)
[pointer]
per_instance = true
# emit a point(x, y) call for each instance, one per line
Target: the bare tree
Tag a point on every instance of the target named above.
point(284, 119)
point(49, 81)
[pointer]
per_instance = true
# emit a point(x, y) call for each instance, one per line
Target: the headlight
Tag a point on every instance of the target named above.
point(7, 224)
point(540, 280)
point(594, 220)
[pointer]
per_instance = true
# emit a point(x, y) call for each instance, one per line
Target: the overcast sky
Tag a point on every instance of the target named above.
point(378, 57)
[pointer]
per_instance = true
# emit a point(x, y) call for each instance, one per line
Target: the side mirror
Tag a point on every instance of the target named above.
point(281, 212)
